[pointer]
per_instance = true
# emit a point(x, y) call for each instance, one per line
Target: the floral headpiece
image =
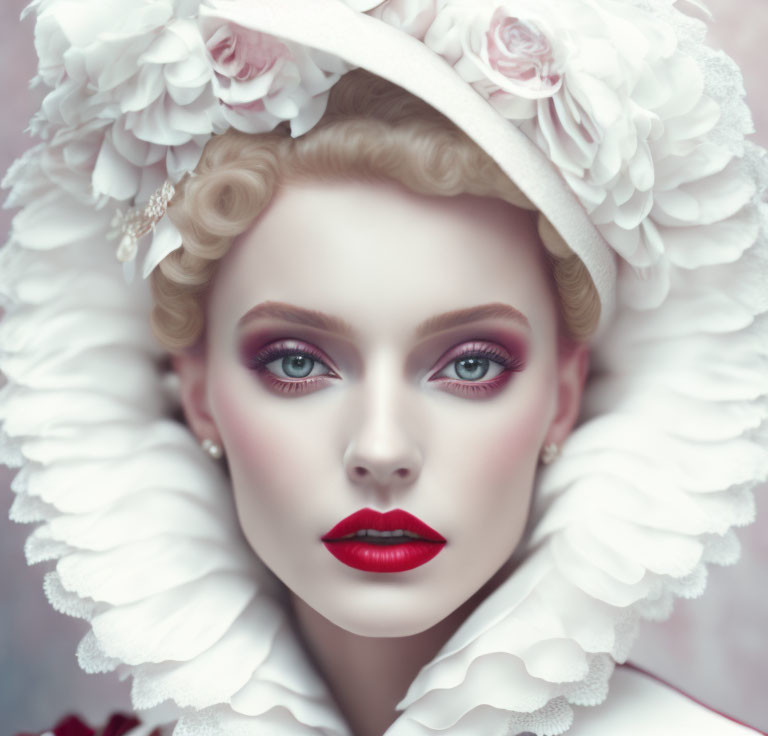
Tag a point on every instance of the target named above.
point(622, 127)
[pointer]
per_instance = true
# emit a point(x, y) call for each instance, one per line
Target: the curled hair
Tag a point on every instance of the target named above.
point(371, 130)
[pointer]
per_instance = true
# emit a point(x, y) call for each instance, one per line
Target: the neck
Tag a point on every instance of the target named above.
point(368, 676)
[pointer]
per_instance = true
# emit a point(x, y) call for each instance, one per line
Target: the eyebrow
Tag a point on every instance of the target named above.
point(297, 315)
point(330, 323)
point(458, 317)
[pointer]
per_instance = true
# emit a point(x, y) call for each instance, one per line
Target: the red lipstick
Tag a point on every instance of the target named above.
point(374, 542)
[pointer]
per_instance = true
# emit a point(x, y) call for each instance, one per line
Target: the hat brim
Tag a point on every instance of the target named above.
point(366, 42)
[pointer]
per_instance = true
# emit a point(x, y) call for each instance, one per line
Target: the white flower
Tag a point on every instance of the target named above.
point(522, 56)
point(603, 89)
point(140, 75)
point(262, 80)
point(363, 6)
point(413, 17)
point(66, 161)
point(410, 16)
point(508, 51)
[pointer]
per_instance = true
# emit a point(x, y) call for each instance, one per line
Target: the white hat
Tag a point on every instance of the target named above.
point(625, 130)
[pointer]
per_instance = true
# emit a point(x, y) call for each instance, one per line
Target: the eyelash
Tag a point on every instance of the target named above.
point(478, 389)
point(467, 388)
point(274, 352)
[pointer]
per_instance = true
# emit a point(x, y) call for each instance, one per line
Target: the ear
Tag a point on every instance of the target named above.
point(573, 366)
point(191, 368)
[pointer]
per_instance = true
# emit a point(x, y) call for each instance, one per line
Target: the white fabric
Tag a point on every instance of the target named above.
point(640, 705)
point(646, 492)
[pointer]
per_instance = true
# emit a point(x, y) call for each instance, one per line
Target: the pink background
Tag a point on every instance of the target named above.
point(715, 648)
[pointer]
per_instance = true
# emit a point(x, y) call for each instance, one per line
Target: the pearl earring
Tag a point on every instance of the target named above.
point(549, 453)
point(213, 450)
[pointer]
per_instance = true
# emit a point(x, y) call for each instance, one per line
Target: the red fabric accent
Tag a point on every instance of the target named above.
point(68, 726)
point(690, 697)
point(118, 725)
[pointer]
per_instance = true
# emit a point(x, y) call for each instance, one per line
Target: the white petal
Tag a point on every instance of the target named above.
point(166, 48)
point(136, 571)
point(142, 90)
point(114, 175)
point(137, 152)
point(218, 672)
point(696, 123)
point(720, 242)
point(178, 624)
point(165, 240)
point(706, 159)
point(55, 220)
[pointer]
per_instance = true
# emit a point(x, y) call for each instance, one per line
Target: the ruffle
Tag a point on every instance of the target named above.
point(140, 524)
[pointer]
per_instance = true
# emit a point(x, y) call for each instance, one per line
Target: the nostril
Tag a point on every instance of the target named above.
point(360, 471)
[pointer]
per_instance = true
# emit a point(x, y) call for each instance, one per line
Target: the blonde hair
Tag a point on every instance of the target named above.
point(371, 130)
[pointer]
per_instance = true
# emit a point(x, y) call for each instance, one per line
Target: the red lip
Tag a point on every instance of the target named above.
point(389, 522)
point(369, 556)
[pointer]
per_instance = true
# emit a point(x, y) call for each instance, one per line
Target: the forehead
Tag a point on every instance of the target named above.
point(375, 252)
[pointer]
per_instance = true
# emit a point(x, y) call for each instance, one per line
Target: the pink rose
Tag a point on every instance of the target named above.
point(513, 53)
point(521, 52)
point(244, 55)
point(261, 80)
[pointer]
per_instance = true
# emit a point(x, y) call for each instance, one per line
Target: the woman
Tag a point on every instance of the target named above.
point(380, 281)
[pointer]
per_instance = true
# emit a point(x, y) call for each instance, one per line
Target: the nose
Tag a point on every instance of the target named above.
point(382, 452)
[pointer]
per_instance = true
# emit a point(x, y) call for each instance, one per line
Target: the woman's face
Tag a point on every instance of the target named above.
point(370, 348)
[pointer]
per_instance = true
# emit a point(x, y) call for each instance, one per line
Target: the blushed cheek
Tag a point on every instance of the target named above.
point(256, 454)
point(511, 458)
point(242, 433)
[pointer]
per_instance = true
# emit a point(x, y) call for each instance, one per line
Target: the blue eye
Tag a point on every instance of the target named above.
point(472, 368)
point(296, 365)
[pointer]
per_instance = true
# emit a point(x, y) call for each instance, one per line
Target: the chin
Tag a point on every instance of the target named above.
point(384, 613)
point(385, 624)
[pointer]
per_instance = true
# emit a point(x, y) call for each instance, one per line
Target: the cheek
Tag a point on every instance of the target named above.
point(245, 433)
point(514, 447)
point(260, 452)
point(511, 451)
point(278, 461)
point(492, 479)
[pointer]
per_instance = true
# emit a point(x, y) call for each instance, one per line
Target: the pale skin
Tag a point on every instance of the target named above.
point(438, 371)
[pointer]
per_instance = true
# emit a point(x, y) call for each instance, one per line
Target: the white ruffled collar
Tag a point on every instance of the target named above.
point(647, 491)
point(149, 549)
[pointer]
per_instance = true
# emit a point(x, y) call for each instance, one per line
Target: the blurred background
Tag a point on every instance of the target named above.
point(715, 648)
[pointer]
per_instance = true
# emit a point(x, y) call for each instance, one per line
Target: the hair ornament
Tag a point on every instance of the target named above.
point(613, 117)
point(132, 225)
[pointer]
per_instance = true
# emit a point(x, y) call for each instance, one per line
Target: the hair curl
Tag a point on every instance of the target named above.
point(371, 130)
